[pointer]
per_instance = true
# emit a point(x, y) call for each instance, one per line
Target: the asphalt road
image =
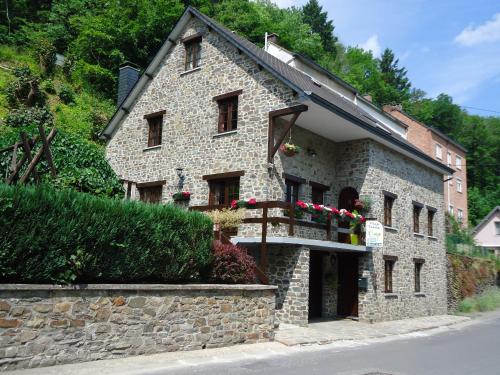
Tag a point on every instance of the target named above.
point(473, 349)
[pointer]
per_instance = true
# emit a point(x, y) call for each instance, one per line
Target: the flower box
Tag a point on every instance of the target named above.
point(243, 203)
point(182, 196)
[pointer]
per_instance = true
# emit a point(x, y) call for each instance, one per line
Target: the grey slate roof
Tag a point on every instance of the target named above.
point(486, 219)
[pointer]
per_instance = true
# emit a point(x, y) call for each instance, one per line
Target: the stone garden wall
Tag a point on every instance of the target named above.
point(468, 276)
point(43, 325)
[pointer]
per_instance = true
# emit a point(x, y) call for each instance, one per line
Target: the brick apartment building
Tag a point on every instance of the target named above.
point(441, 147)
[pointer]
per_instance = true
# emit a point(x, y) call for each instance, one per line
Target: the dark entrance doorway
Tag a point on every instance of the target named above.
point(347, 304)
point(315, 284)
point(347, 197)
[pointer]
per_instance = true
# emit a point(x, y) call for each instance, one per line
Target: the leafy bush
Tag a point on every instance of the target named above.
point(45, 52)
point(67, 95)
point(232, 264)
point(26, 116)
point(48, 86)
point(49, 236)
point(486, 301)
point(227, 218)
point(24, 90)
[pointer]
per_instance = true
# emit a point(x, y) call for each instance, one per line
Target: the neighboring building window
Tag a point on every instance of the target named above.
point(388, 204)
point(458, 161)
point(497, 228)
point(389, 262)
point(439, 151)
point(450, 209)
point(459, 185)
point(416, 217)
point(150, 192)
point(193, 53)
point(460, 215)
point(155, 128)
point(418, 270)
point(224, 190)
point(430, 221)
point(448, 158)
point(228, 114)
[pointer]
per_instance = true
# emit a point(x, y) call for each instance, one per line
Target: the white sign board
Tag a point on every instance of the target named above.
point(374, 234)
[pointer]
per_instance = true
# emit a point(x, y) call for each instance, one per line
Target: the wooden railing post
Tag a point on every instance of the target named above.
point(329, 227)
point(291, 213)
point(263, 244)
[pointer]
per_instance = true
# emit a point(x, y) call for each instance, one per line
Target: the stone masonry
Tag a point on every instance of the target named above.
point(44, 325)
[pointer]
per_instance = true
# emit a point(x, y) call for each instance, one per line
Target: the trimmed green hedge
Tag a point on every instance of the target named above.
point(49, 236)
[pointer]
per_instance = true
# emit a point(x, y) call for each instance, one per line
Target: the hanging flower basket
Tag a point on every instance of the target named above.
point(182, 196)
point(289, 149)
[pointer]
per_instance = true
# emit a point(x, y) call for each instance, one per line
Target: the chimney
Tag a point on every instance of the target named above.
point(368, 97)
point(389, 108)
point(129, 75)
point(273, 38)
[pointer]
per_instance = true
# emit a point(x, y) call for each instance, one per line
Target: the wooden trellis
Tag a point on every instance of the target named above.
point(28, 145)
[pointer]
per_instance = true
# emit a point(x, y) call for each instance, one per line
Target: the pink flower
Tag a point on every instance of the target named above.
point(234, 203)
point(317, 207)
point(349, 214)
point(335, 211)
point(186, 194)
point(362, 219)
point(301, 204)
point(252, 201)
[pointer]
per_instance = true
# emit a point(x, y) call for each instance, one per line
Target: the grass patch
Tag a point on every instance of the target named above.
point(487, 301)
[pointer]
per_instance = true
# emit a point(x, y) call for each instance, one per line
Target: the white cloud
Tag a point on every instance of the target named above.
point(486, 33)
point(372, 44)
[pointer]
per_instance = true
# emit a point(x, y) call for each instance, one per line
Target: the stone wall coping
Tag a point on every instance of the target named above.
point(143, 287)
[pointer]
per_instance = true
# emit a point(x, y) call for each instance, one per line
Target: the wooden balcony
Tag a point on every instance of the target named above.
point(273, 213)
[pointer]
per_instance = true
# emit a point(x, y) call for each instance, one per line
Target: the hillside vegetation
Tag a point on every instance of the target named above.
point(96, 37)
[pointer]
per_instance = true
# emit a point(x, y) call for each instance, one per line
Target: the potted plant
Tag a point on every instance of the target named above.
point(182, 196)
point(227, 220)
point(289, 149)
point(243, 203)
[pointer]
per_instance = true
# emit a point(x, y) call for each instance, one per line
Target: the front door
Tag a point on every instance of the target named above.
point(347, 285)
point(315, 285)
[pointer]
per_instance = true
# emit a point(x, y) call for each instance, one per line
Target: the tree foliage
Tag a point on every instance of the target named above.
point(315, 17)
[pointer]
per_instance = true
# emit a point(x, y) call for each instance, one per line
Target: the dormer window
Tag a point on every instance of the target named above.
point(192, 46)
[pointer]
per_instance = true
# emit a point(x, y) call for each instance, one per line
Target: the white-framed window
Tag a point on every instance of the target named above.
point(458, 162)
point(459, 185)
point(497, 228)
point(450, 209)
point(460, 215)
point(439, 151)
point(448, 158)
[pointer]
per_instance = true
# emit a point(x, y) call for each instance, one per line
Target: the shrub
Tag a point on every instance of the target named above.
point(24, 89)
point(48, 86)
point(486, 301)
point(67, 95)
point(49, 236)
point(227, 218)
point(232, 265)
point(26, 116)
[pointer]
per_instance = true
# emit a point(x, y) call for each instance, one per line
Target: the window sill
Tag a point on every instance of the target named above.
point(418, 235)
point(391, 295)
point(392, 229)
point(223, 134)
point(419, 294)
point(151, 148)
point(190, 71)
point(432, 238)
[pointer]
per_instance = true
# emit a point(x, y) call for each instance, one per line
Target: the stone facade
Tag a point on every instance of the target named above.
point(191, 141)
point(42, 325)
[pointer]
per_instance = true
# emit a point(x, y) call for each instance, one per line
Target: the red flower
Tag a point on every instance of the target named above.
point(186, 194)
point(349, 214)
point(335, 211)
point(234, 203)
point(252, 201)
point(301, 204)
point(362, 220)
point(317, 207)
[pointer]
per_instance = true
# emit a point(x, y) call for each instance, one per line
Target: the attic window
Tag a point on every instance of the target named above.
point(192, 47)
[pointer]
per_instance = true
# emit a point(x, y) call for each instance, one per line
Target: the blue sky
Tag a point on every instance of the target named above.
point(450, 46)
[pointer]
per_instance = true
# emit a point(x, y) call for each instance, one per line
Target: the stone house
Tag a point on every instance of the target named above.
point(441, 147)
point(208, 116)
